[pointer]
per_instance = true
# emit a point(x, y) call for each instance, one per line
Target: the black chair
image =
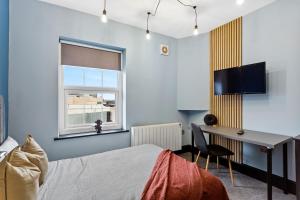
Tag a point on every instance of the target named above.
point(210, 150)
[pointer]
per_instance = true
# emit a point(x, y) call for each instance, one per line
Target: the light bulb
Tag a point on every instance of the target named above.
point(104, 17)
point(240, 2)
point(148, 36)
point(196, 32)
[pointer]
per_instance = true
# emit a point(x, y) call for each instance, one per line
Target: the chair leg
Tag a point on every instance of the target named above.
point(230, 170)
point(207, 162)
point(198, 156)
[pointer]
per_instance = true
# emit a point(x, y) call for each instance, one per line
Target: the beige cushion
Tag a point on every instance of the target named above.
point(19, 178)
point(37, 156)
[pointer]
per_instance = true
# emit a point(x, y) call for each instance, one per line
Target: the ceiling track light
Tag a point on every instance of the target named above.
point(195, 32)
point(104, 16)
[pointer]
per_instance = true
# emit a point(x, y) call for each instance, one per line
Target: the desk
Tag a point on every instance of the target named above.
point(268, 140)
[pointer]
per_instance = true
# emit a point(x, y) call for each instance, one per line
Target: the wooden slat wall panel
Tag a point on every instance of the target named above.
point(226, 52)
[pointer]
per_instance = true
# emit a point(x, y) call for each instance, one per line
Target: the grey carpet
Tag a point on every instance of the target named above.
point(246, 188)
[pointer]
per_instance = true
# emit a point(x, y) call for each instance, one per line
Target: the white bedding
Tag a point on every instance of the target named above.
point(119, 174)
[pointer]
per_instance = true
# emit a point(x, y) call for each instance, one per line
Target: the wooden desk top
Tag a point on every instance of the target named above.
point(268, 140)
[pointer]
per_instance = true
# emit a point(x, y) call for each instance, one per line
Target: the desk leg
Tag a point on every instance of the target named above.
point(193, 156)
point(297, 149)
point(285, 168)
point(269, 173)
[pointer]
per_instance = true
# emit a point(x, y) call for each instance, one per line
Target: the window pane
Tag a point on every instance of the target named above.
point(82, 76)
point(85, 108)
point(73, 76)
point(92, 77)
point(109, 107)
point(110, 78)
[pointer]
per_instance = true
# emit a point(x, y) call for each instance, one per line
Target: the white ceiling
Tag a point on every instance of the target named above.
point(172, 18)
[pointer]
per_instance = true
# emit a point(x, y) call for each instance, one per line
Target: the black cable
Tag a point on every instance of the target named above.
point(196, 16)
point(182, 3)
point(188, 5)
point(156, 8)
point(148, 13)
point(195, 9)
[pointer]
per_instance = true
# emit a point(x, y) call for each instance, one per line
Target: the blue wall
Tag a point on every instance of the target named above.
point(35, 28)
point(193, 79)
point(4, 21)
point(271, 34)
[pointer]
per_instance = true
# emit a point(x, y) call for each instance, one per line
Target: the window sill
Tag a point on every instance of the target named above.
point(80, 135)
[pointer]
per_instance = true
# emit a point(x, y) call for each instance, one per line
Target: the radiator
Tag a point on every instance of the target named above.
point(167, 136)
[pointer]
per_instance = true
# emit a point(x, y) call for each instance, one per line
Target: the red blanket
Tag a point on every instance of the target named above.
point(174, 178)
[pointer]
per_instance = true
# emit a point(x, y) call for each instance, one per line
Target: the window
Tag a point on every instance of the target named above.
point(89, 92)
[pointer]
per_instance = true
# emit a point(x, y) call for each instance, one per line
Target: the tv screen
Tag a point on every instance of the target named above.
point(248, 79)
point(254, 78)
point(227, 81)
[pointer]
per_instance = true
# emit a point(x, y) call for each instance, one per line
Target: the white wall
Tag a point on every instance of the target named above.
point(35, 28)
point(271, 34)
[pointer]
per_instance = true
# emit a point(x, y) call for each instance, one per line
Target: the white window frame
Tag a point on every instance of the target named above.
point(63, 90)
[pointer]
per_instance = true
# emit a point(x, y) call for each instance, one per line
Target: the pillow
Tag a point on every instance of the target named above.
point(8, 146)
point(19, 178)
point(37, 156)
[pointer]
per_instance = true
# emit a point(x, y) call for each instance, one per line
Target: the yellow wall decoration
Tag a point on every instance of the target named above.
point(226, 52)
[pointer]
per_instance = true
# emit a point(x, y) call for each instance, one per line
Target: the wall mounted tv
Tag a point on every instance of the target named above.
point(247, 79)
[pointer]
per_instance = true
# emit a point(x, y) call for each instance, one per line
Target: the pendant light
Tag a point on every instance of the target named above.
point(196, 31)
point(104, 16)
point(148, 36)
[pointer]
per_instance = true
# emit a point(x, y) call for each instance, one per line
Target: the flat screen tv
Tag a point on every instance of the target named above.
point(253, 78)
point(247, 79)
point(227, 81)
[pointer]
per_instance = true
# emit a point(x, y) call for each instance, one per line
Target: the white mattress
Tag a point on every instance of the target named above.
point(119, 174)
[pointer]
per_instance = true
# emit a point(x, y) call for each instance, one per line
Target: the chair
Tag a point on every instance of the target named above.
point(210, 150)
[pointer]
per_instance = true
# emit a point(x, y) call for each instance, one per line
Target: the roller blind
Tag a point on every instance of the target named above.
point(90, 57)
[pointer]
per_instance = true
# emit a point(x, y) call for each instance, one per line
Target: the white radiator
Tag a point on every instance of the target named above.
point(167, 136)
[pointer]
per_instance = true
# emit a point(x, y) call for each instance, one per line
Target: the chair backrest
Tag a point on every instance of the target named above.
point(199, 138)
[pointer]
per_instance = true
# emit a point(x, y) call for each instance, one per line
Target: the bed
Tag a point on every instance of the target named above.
point(145, 172)
point(118, 174)
point(142, 172)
